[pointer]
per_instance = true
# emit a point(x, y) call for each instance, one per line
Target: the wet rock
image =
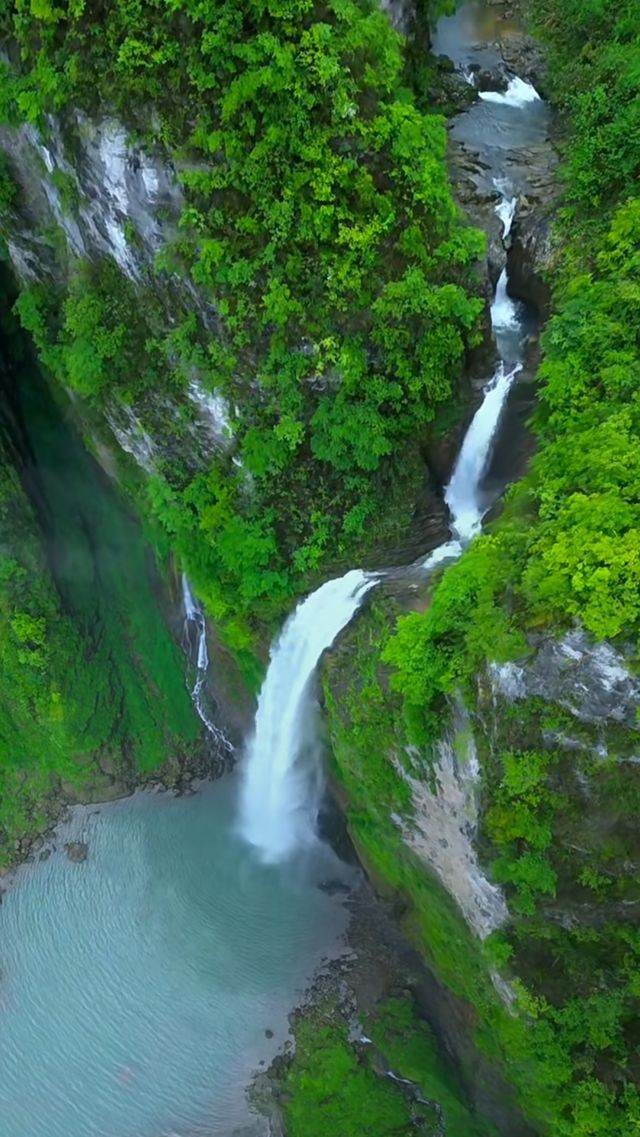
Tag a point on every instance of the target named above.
point(401, 13)
point(334, 887)
point(490, 79)
point(524, 57)
point(530, 260)
point(268, 1033)
point(77, 851)
point(478, 196)
point(44, 855)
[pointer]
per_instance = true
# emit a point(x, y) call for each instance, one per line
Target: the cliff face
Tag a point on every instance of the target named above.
point(89, 194)
point(271, 312)
point(92, 684)
point(510, 842)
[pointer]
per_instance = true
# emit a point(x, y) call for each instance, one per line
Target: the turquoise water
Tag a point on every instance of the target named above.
point(136, 987)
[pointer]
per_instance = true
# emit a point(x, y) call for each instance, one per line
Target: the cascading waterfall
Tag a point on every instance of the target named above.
point(282, 782)
point(506, 207)
point(504, 313)
point(282, 786)
point(194, 619)
point(463, 492)
point(462, 495)
point(518, 93)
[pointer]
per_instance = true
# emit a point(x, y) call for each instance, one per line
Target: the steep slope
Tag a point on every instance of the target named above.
point(92, 684)
point(487, 742)
point(239, 244)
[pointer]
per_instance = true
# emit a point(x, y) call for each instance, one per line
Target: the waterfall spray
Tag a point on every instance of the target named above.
point(282, 781)
point(518, 94)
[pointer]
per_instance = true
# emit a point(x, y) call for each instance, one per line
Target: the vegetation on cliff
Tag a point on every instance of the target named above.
point(320, 227)
point(334, 1084)
point(565, 550)
point(92, 687)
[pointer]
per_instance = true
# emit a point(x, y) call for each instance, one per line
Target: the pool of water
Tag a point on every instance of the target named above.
point(470, 34)
point(136, 987)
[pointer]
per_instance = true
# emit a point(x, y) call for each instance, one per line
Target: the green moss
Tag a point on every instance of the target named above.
point(92, 684)
point(413, 1052)
point(333, 1085)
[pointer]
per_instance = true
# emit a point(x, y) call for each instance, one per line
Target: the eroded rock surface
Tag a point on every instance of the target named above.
point(590, 680)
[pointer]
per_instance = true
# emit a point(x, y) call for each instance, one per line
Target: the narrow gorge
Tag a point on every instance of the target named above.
point(318, 569)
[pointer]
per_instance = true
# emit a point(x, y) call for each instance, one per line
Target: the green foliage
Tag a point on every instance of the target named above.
point(92, 691)
point(436, 653)
point(331, 1086)
point(594, 55)
point(519, 822)
point(8, 187)
point(319, 226)
point(332, 1092)
point(569, 1049)
point(413, 1052)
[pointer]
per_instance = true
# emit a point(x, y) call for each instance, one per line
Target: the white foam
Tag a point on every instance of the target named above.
point(518, 94)
point(283, 775)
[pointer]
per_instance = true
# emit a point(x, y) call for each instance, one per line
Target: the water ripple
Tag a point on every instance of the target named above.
point(136, 987)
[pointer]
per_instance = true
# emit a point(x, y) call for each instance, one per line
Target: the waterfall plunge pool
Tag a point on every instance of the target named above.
point(136, 987)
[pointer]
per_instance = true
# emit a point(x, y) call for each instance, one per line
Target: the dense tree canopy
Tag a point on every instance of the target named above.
point(320, 224)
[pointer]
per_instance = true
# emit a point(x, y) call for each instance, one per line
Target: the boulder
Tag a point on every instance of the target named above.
point(524, 57)
point(77, 851)
point(530, 259)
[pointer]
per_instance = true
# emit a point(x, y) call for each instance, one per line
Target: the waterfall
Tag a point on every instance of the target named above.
point(504, 312)
point(518, 94)
point(506, 207)
point(282, 784)
point(462, 493)
point(194, 619)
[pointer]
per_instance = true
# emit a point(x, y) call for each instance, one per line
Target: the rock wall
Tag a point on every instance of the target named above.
point(443, 822)
point(88, 191)
point(509, 843)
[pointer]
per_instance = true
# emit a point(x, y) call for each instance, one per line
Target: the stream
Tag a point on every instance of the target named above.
point(141, 989)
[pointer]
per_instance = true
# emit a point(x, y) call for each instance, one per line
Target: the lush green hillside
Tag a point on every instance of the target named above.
point(92, 687)
point(566, 549)
point(319, 223)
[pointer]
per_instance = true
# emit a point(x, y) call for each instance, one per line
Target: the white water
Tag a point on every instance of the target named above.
point(518, 94)
point(194, 618)
point(463, 492)
point(506, 207)
point(504, 312)
point(282, 780)
point(282, 784)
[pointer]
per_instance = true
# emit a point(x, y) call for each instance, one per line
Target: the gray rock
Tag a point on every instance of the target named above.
point(530, 259)
point(524, 57)
point(590, 680)
point(77, 851)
